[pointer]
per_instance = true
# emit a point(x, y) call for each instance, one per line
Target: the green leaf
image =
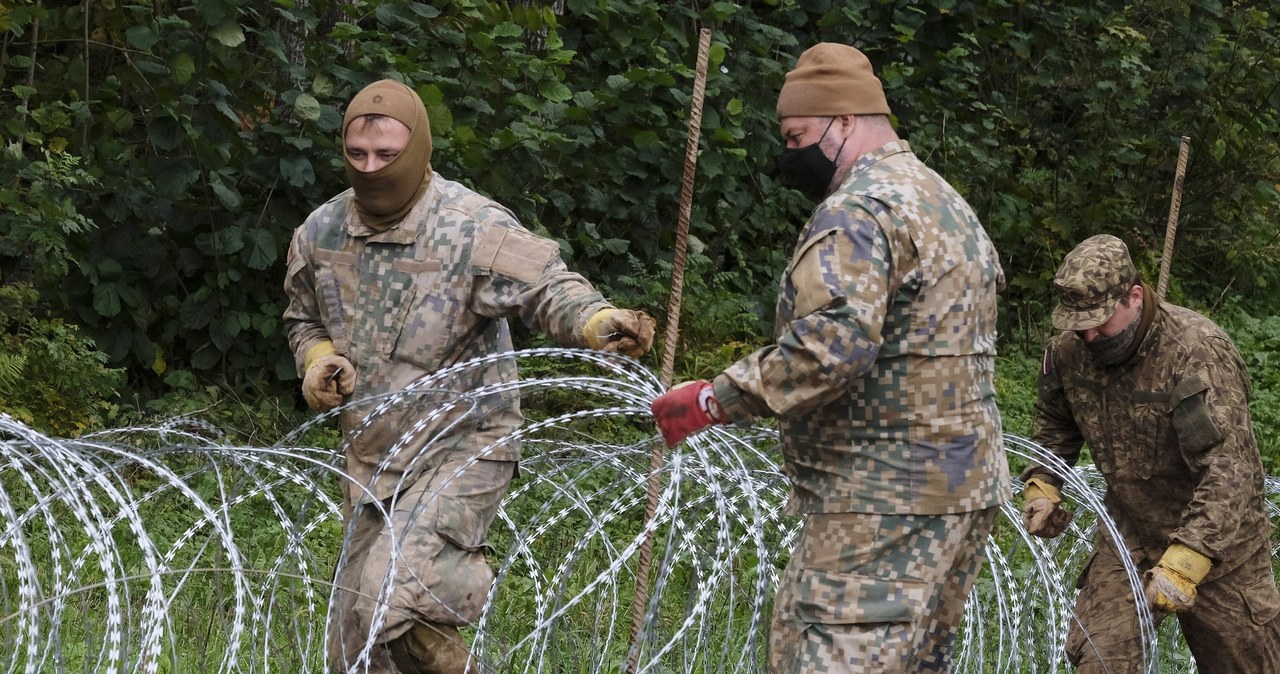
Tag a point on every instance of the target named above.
point(196, 314)
point(555, 91)
point(141, 37)
point(151, 67)
point(231, 324)
point(297, 170)
point(119, 118)
point(646, 138)
point(307, 107)
point(106, 301)
point(132, 296)
point(423, 10)
point(261, 251)
point(322, 85)
point(206, 357)
point(183, 67)
point(166, 133)
point(225, 191)
point(229, 34)
point(230, 240)
point(173, 177)
point(507, 29)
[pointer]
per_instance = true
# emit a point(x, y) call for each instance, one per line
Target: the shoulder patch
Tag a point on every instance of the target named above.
point(512, 253)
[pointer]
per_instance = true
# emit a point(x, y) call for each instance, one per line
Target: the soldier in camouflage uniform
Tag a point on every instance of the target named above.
point(1161, 397)
point(390, 282)
point(881, 379)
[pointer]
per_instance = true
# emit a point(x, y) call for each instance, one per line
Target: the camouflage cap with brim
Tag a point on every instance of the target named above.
point(1092, 279)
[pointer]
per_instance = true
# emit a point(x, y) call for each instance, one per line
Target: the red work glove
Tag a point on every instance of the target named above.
point(687, 409)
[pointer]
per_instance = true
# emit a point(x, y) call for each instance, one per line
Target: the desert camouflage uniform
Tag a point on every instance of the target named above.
point(1170, 432)
point(881, 378)
point(431, 291)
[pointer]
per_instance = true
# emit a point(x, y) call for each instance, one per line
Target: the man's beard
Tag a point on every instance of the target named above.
point(1114, 350)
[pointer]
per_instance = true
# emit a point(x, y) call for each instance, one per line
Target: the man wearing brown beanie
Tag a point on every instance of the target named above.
point(389, 283)
point(881, 379)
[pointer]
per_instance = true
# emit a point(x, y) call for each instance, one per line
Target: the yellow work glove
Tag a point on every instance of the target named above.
point(1171, 585)
point(1040, 512)
point(327, 377)
point(623, 331)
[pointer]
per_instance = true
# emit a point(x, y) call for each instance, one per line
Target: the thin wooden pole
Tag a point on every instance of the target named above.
point(1171, 227)
point(654, 484)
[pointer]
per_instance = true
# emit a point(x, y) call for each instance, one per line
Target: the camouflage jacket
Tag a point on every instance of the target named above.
point(431, 291)
point(881, 372)
point(1170, 432)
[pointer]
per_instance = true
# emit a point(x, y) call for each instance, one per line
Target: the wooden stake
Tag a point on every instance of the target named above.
point(669, 342)
point(1171, 227)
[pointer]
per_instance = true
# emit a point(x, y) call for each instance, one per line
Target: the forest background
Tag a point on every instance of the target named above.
point(155, 157)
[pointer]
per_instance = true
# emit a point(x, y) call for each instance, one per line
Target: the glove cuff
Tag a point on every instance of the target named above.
point(316, 352)
point(1037, 488)
point(710, 404)
point(1191, 564)
point(591, 331)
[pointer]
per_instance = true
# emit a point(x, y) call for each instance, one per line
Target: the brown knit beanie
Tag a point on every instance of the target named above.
point(830, 80)
point(386, 195)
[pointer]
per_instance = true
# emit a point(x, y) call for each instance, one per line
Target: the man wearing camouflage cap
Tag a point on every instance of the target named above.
point(389, 282)
point(881, 379)
point(1161, 397)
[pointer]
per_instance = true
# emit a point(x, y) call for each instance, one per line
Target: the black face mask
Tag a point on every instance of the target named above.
point(808, 169)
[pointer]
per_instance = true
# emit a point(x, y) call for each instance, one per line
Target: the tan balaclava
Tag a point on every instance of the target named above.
point(830, 80)
point(386, 195)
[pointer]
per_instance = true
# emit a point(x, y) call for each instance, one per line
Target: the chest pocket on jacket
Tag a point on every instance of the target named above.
point(1087, 406)
point(424, 314)
point(337, 281)
point(1149, 448)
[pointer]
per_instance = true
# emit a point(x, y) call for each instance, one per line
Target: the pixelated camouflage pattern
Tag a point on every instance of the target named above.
point(1233, 628)
point(431, 291)
point(882, 371)
point(419, 556)
point(1090, 282)
point(1170, 432)
point(876, 593)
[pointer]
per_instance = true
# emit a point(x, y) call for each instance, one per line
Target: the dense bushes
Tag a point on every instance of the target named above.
point(51, 376)
point(167, 149)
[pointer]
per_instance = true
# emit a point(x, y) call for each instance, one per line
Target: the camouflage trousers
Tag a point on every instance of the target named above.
point(413, 565)
point(876, 593)
point(1233, 628)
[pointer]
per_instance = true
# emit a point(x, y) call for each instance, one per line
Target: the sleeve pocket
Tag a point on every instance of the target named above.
point(809, 276)
point(828, 598)
point(1194, 426)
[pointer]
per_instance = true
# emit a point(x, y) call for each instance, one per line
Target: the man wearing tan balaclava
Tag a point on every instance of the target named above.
point(390, 282)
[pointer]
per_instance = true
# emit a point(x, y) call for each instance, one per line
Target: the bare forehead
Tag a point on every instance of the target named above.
point(380, 122)
point(378, 129)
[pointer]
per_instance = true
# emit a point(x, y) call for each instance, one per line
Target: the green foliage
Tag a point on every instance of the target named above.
point(51, 376)
point(1258, 340)
point(167, 152)
point(38, 215)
